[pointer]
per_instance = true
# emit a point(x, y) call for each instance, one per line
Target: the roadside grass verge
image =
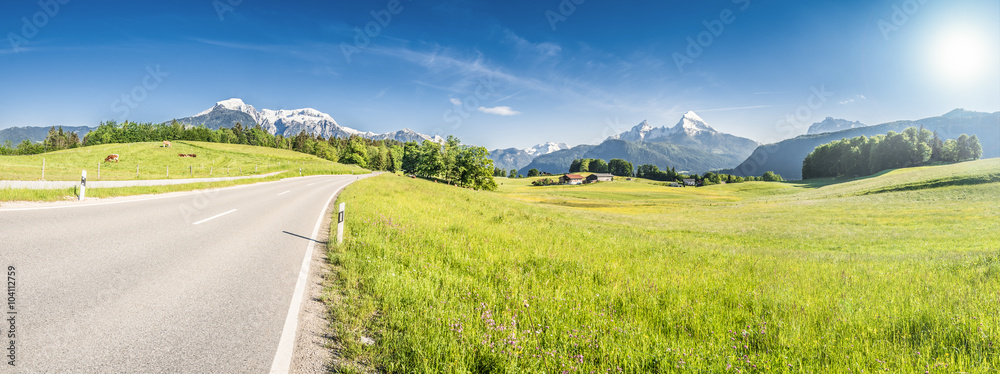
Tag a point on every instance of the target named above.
point(634, 277)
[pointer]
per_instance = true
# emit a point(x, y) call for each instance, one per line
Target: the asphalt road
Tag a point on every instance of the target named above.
point(159, 285)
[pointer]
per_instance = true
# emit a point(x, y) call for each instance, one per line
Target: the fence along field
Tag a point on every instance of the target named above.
point(157, 162)
point(635, 277)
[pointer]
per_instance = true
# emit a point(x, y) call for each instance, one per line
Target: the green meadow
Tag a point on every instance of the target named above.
point(156, 162)
point(153, 161)
point(898, 272)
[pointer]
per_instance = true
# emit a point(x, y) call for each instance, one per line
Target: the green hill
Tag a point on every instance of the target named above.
point(153, 161)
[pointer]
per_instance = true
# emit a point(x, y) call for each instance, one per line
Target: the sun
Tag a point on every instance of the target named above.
point(960, 55)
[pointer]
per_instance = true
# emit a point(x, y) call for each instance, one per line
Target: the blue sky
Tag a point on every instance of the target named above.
point(503, 73)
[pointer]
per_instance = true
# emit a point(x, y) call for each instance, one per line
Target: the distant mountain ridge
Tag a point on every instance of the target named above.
point(831, 124)
point(289, 123)
point(785, 157)
point(513, 158)
point(510, 158)
point(691, 145)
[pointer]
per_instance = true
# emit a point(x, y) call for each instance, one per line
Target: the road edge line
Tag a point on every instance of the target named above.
point(282, 362)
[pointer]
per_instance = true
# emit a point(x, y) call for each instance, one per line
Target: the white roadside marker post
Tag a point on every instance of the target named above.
point(43, 169)
point(98, 171)
point(83, 185)
point(340, 224)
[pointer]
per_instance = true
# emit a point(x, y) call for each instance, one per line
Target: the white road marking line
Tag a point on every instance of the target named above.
point(310, 184)
point(282, 363)
point(283, 193)
point(213, 217)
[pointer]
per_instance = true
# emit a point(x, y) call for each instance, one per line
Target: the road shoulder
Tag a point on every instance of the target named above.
point(314, 342)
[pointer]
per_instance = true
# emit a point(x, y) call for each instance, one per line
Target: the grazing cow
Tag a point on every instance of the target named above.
point(111, 158)
point(192, 155)
point(167, 144)
point(181, 155)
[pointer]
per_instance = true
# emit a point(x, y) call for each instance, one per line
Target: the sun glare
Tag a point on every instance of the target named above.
point(960, 56)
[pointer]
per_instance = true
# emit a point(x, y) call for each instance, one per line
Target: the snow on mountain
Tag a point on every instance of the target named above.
point(690, 124)
point(544, 149)
point(831, 124)
point(291, 122)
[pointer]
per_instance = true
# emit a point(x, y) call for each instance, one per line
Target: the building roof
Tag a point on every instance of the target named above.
point(605, 175)
point(573, 176)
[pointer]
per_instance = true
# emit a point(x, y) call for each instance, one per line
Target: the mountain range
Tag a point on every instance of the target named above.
point(289, 123)
point(785, 157)
point(831, 124)
point(691, 145)
point(514, 158)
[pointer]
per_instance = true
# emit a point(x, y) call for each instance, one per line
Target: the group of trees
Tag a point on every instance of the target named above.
point(498, 172)
point(671, 175)
point(617, 166)
point(452, 162)
point(862, 155)
point(55, 140)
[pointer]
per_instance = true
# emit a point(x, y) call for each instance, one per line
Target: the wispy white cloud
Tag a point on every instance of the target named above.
point(380, 93)
point(455, 101)
point(243, 46)
point(853, 100)
point(500, 111)
point(508, 97)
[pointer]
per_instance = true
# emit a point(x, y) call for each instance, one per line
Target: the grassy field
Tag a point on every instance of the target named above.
point(154, 162)
point(214, 160)
point(899, 272)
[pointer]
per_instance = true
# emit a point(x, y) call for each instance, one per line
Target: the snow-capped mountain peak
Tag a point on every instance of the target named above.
point(544, 149)
point(232, 104)
point(691, 124)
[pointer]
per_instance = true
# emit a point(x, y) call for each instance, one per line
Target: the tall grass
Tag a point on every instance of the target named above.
point(635, 277)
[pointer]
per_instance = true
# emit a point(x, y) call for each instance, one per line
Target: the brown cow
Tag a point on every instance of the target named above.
point(111, 158)
point(167, 144)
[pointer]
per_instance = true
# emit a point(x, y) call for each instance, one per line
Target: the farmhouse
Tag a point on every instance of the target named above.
point(571, 179)
point(600, 177)
point(690, 182)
